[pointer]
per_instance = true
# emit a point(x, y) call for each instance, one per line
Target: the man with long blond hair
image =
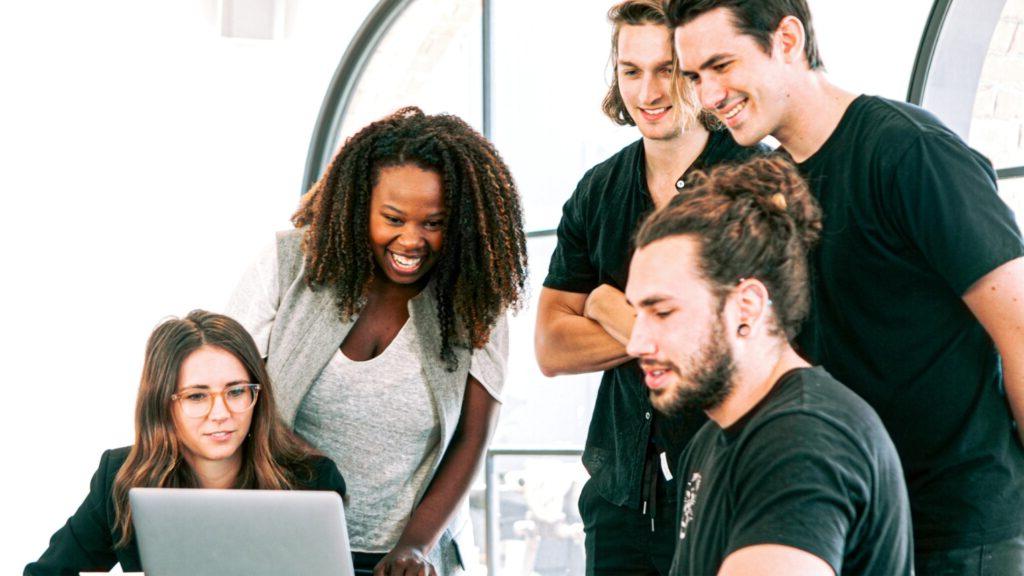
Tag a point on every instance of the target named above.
point(584, 322)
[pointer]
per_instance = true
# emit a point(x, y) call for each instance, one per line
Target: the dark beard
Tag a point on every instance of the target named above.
point(710, 377)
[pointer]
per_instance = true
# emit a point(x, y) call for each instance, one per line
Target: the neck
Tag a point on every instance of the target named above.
point(666, 160)
point(753, 381)
point(816, 107)
point(217, 474)
point(383, 290)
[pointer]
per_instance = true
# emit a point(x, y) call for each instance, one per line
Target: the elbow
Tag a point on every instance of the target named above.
point(546, 361)
point(548, 370)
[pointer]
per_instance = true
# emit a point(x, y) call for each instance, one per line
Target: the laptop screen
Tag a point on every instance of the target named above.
point(240, 532)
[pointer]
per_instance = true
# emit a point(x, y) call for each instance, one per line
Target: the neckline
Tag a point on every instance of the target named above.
point(346, 360)
point(836, 135)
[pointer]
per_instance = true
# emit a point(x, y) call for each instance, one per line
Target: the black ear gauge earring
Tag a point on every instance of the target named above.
point(743, 330)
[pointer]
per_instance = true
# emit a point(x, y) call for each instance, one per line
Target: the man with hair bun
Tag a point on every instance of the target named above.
point(583, 321)
point(794, 474)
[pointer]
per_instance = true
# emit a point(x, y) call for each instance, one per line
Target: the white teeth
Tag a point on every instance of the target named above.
point(405, 261)
point(736, 110)
point(655, 111)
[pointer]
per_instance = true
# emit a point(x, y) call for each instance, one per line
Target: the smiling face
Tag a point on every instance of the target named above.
point(679, 336)
point(745, 87)
point(217, 437)
point(645, 76)
point(407, 219)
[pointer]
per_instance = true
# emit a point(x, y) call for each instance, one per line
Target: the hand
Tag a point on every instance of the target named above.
point(607, 306)
point(603, 298)
point(405, 560)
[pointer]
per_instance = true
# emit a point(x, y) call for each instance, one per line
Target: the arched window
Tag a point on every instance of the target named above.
point(970, 71)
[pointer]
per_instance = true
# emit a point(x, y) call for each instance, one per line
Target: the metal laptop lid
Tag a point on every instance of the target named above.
point(195, 532)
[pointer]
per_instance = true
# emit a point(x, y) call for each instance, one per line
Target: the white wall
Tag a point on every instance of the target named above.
point(144, 160)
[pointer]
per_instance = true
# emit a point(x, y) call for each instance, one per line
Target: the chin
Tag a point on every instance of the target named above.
point(665, 400)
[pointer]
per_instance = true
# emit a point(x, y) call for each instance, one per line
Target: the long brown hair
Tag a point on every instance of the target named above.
point(752, 220)
point(481, 271)
point(684, 96)
point(273, 457)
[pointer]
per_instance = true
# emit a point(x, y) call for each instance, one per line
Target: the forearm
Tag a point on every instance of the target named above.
point(567, 342)
point(575, 345)
point(447, 489)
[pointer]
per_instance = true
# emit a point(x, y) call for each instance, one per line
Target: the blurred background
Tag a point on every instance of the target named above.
point(149, 150)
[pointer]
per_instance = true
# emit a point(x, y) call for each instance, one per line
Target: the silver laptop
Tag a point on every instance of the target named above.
point(240, 532)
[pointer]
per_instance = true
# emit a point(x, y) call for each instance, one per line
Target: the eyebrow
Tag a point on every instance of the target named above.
point(648, 302)
point(627, 63)
point(714, 60)
point(207, 386)
point(441, 213)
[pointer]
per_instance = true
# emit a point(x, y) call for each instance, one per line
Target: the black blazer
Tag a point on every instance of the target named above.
point(86, 542)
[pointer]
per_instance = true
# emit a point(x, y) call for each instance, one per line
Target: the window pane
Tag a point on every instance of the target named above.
point(547, 93)
point(539, 528)
point(430, 58)
point(997, 129)
point(1011, 190)
point(537, 410)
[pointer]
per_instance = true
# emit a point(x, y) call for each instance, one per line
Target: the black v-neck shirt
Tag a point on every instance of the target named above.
point(595, 244)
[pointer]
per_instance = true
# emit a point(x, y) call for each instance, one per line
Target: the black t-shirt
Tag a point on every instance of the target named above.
point(595, 243)
point(911, 221)
point(810, 467)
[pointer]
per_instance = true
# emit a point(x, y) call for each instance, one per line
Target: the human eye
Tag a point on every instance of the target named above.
point(663, 313)
point(722, 66)
point(630, 72)
point(393, 220)
point(195, 396)
point(237, 391)
point(434, 224)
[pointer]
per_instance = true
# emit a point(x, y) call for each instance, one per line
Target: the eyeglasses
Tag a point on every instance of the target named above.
point(198, 402)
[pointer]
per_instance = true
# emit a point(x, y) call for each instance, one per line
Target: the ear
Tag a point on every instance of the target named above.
point(788, 40)
point(748, 305)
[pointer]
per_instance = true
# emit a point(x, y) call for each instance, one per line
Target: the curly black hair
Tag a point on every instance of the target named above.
point(481, 270)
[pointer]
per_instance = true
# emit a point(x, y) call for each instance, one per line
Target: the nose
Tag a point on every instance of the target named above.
point(711, 93)
point(219, 411)
point(640, 343)
point(410, 239)
point(650, 89)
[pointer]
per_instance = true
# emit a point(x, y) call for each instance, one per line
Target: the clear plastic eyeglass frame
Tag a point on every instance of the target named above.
point(198, 402)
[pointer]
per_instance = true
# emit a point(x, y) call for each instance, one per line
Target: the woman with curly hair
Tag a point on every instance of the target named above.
point(205, 418)
point(382, 318)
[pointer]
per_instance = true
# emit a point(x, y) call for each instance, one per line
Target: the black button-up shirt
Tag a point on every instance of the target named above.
point(595, 244)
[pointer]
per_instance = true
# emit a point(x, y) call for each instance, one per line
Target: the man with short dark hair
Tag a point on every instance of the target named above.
point(919, 283)
point(583, 321)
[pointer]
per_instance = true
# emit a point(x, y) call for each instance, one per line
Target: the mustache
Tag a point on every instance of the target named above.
point(650, 364)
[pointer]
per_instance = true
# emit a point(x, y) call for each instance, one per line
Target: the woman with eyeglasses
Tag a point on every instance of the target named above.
point(204, 418)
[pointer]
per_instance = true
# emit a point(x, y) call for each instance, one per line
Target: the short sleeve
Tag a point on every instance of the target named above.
point(256, 298)
point(571, 269)
point(328, 477)
point(798, 482)
point(947, 200)
point(489, 364)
